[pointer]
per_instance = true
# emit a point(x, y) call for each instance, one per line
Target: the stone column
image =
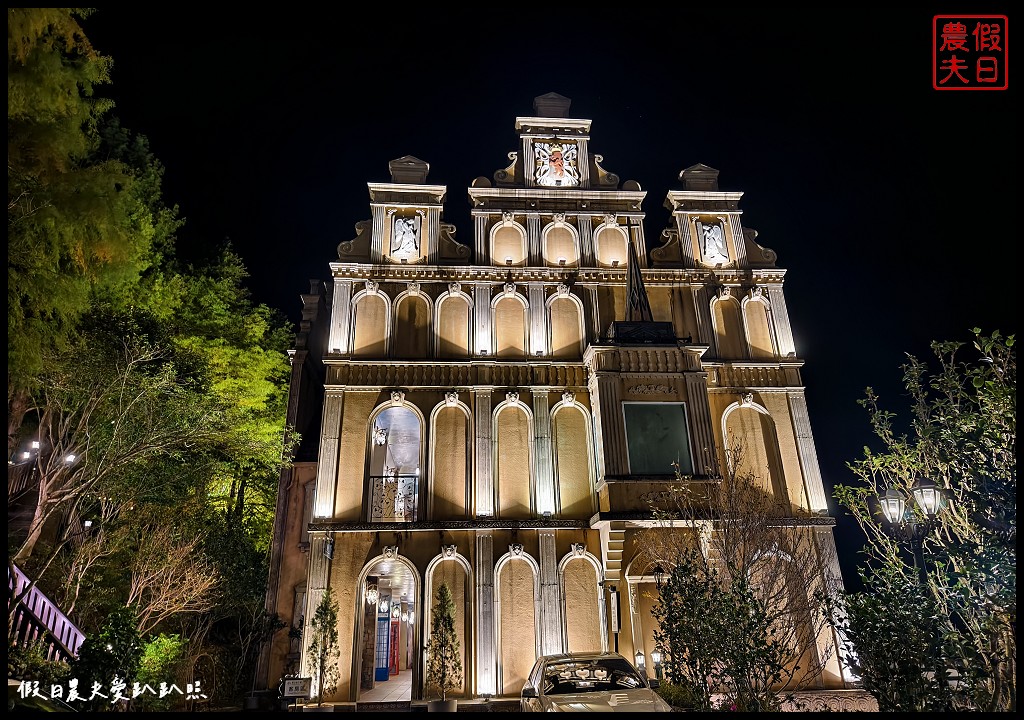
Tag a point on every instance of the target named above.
point(814, 488)
point(705, 463)
point(705, 328)
point(482, 245)
point(430, 232)
point(586, 229)
point(538, 320)
point(740, 245)
point(484, 473)
point(551, 610)
point(341, 313)
point(482, 319)
point(486, 650)
point(316, 585)
point(544, 499)
point(327, 467)
point(533, 249)
point(685, 240)
point(780, 318)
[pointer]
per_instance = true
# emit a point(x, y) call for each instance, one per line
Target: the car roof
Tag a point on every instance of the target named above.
point(596, 655)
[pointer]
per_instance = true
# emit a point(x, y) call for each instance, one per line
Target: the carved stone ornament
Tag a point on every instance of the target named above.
point(578, 549)
point(747, 400)
point(609, 219)
point(371, 286)
point(454, 288)
point(516, 549)
point(757, 292)
point(414, 288)
point(506, 218)
point(390, 552)
point(451, 399)
point(397, 397)
point(724, 291)
point(558, 219)
point(510, 289)
point(563, 290)
point(512, 398)
point(569, 398)
point(650, 390)
point(449, 551)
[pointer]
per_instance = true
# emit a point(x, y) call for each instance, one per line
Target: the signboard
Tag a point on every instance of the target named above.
point(296, 687)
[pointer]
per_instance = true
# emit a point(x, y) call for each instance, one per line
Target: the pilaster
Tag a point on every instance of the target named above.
point(814, 488)
point(538, 320)
point(544, 502)
point(486, 651)
point(484, 473)
point(327, 467)
point(780, 316)
point(550, 613)
point(341, 312)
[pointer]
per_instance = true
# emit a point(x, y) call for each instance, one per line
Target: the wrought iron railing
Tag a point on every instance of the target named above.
point(393, 498)
point(37, 619)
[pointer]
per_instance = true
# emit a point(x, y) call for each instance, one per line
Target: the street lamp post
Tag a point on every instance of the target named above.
point(905, 525)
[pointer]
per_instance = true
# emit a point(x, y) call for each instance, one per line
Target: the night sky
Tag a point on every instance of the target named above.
point(888, 202)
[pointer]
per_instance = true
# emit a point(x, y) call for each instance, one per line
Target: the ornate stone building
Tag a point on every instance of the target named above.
point(497, 416)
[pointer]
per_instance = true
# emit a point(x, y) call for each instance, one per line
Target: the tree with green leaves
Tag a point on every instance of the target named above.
point(961, 434)
point(81, 220)
point(444, 654)
point(323, 647)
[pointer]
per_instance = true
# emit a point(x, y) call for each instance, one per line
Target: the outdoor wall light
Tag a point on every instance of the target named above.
point(641, 664)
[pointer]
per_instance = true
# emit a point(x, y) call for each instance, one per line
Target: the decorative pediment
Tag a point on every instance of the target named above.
point(699, 177)
point(551, 105)
point(408, 170)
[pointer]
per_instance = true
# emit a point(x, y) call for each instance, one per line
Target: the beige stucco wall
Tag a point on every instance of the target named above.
point(610, 244)
point(566, 329)
point(508, 242)
point(581, 610)
point(449, 479)
point(350, 552)
point(370, 333)
point(570, 442)
point(454, 575)
point(453, 328)
point(412, 328)
point(513, 440)
point(509, 328)
point(355, 437)
point(517, 621)
point(559, 242)
point(729, 329)
point(760, 337)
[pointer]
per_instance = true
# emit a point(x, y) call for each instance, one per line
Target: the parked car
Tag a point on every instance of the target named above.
point(32, 704)
point(588, 682)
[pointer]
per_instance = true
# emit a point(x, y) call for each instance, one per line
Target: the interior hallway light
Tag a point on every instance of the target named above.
point(372, 596)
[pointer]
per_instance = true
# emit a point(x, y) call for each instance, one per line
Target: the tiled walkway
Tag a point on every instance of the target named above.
point(395, 689)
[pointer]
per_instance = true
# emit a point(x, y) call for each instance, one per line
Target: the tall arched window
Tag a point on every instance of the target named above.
point(508, 245)
point(570, 439)
point(759, 333)
point(560, 246)
point(610, 245)
point(396, 457)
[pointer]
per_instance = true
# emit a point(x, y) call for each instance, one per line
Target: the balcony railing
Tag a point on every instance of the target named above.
point(37, 619)
point(394, 498)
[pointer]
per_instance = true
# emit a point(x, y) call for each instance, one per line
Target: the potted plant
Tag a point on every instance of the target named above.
point(323, 649)
point(444, 661)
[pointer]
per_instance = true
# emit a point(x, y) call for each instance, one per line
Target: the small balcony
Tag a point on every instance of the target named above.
point(393, 498)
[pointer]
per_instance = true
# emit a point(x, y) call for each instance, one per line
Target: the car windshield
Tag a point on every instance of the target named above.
point(599, 675)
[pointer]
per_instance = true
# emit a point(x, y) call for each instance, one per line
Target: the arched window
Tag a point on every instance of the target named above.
point(570, 440)
point(757, 320)
point(396, 456)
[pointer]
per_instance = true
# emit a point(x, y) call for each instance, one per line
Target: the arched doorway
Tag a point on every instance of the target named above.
point(388, 631)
